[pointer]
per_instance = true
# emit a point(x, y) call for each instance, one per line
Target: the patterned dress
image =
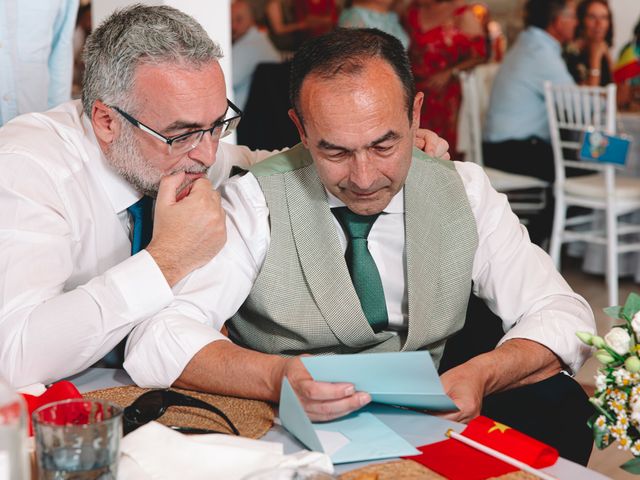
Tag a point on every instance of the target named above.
point(433, 51)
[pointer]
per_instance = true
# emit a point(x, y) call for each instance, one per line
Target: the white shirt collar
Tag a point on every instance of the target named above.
point(396, 205)
point(121, 193)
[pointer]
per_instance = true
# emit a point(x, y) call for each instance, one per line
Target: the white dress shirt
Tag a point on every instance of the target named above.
point(69, 288)
point(516, 278)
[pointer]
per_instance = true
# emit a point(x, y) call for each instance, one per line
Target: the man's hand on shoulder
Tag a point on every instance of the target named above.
point(321, 400)
point(189, 229)
point(431, 144)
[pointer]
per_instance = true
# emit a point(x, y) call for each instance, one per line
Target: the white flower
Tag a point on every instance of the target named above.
point(635, 324)
point(623, 379)
point(601, 381)
point(619, 340)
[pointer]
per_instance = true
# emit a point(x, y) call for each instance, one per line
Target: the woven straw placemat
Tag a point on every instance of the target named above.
point(252, 418)
point(410, 470)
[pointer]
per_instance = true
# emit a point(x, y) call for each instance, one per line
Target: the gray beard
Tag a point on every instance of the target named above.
point(125, 158)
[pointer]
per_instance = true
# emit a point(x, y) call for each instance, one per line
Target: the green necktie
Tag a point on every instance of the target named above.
point(362, 267)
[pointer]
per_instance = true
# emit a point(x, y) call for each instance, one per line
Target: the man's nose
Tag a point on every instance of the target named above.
point(205, 151)
point(363, 172)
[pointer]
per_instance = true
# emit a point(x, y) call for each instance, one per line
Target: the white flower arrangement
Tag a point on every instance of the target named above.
point(617, 395)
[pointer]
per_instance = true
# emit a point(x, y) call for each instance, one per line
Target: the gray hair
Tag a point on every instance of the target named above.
point(139, 35)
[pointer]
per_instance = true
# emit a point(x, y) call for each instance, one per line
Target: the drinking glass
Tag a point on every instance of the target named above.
point(77, 440)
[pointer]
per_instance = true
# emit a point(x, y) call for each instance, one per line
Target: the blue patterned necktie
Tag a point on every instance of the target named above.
point(142, 216)
point(362, 267)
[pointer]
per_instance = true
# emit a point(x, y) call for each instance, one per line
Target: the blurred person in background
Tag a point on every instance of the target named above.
point(250, 48)
point(36, 55)
point(80, 34)
point(445, 39)
point(627, 73)
point(291, 22)
point(378, 14)
point(588, 57)
point(516, 131)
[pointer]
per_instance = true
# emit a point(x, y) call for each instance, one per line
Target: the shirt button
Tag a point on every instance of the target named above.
point(6, 97)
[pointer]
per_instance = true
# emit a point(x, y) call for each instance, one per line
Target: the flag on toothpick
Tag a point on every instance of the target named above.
point(455, 460)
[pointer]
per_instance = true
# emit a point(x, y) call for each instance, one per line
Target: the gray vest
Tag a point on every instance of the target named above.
point(303, 300)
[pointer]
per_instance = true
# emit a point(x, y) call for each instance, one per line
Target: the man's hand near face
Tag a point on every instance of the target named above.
point(189, 230)
point(431, 144)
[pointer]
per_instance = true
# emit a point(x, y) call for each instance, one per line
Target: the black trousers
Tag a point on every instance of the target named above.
point(532, 157)
point(554, 411)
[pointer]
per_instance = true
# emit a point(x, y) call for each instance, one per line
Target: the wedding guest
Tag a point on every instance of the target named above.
point(250, 48)
point(587, 56)
point(374, 14)
point(312, 266)
point(627, 73)
point(445, 40)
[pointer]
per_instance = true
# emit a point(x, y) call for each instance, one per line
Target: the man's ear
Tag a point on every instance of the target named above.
point(417, 108)
point(104, 125)
point(298, 123)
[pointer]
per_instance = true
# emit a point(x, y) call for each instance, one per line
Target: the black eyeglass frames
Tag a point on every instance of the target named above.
point(186, 142)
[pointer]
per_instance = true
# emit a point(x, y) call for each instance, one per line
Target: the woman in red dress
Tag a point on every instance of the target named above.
point(445, 39)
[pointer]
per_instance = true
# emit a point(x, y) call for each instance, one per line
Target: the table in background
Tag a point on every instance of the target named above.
point(417, 428)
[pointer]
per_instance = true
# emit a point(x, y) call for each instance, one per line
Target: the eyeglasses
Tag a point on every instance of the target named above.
point(151, 405)
point(185, 142)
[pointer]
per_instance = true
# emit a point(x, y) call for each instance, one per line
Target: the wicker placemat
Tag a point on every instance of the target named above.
point(410, 470)
point(252, 418)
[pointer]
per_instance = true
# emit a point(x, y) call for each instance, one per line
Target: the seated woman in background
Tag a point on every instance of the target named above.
point(588, 58)
point(445, 39)
point(291, 22)
point(374, 14)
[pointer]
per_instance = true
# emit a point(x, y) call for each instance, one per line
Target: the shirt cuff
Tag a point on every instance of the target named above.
point(557, 334)
point(140, 285)
point(159, 350)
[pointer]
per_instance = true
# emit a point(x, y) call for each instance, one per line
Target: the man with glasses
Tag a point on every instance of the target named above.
point(80, 262)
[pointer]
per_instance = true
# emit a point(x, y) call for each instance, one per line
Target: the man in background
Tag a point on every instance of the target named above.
point(36, 55)
point(250, 48)
point(516, 131)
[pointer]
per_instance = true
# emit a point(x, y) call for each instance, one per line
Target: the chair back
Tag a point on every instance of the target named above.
point(572, 110)
point(476, 86)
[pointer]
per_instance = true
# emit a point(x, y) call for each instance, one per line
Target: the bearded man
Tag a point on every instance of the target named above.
point(77, 185)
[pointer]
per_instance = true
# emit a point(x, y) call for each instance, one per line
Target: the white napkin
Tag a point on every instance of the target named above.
point(156, 452)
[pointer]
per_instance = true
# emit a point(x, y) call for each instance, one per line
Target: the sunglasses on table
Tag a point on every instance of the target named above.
point(153, 404)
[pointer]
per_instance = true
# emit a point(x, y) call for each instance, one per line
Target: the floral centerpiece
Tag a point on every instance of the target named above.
point(617, 394)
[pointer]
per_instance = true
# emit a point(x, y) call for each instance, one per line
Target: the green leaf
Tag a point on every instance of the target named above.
point(601, 438)
point(632, 466)
point(613, 312)
point(631, 306)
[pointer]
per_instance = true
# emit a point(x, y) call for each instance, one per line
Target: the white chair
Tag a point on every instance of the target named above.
point(574, 110)
point(526, 194)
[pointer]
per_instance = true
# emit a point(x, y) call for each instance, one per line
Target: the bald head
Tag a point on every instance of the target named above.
point(241, 19)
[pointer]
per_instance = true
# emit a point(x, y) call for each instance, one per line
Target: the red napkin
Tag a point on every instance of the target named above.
point(58, 391)
point(455, 460)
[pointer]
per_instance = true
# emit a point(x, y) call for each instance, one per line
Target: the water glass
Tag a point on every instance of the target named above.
point(77, 439)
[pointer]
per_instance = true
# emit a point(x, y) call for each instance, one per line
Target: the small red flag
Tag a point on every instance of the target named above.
point(455, 460)
point(62, 390)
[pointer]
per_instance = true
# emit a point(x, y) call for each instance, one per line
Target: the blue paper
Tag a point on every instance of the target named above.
point(369, 438)
point(599, 147)
point(407, 379)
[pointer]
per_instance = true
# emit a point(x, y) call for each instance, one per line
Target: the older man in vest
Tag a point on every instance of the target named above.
point(353, 242)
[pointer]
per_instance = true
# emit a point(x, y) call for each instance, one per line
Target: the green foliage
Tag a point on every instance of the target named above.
point(632, 466)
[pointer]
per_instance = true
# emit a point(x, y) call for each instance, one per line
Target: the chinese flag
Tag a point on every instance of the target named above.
point(455, 460)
